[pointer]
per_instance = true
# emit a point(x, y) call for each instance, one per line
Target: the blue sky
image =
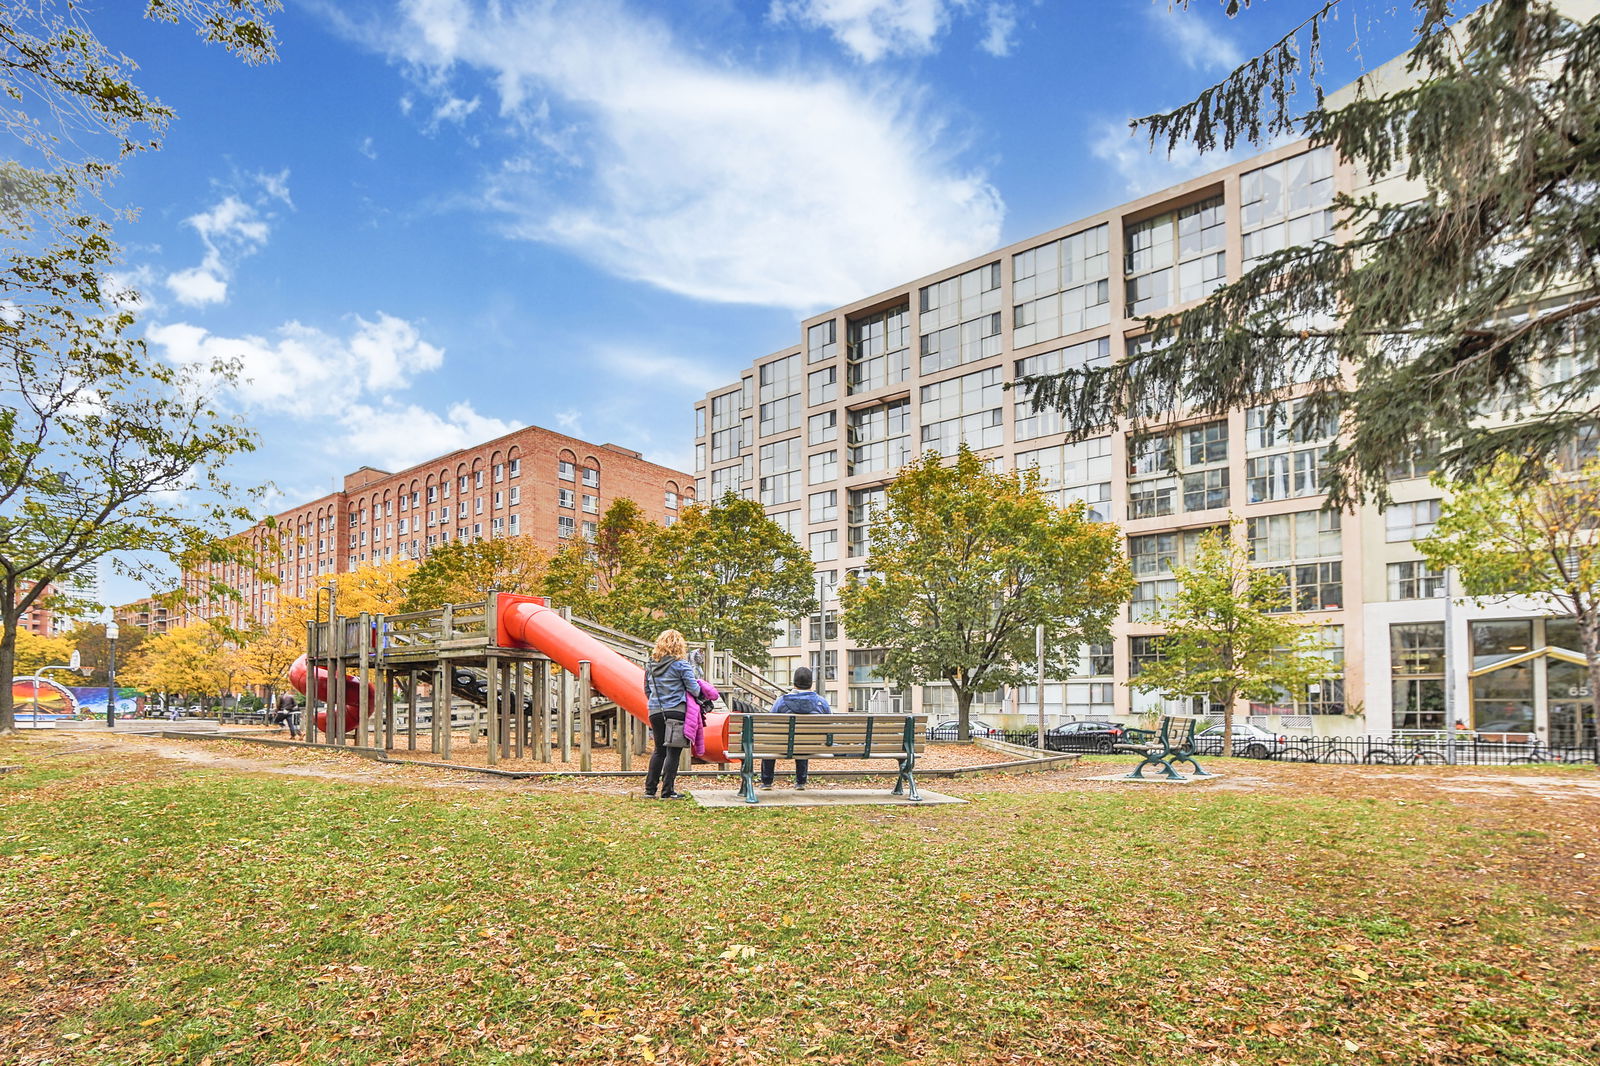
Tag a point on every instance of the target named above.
point(435, 220)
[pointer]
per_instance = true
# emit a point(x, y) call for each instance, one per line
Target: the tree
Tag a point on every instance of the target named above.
point(966, 563)
point(1433, 314)
point(725, 573)
point(266, 650)
point(96, 438)
point(191, 660)
point(1509, 537)
point(378, 588)
point(465, 571)
point(94, 650)
point(35, 652)
point(595, 580)
point(1229, 634)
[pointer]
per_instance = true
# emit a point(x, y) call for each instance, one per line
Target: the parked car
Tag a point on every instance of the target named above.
point(1250, 742)
point(1102, 737)
point(951, 730)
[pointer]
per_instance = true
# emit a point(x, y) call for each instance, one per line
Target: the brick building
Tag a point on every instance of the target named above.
point(533, 482)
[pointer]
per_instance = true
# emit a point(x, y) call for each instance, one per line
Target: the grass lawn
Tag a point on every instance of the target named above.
point(157, 912)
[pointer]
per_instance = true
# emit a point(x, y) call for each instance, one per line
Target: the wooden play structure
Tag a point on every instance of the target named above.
point(525, 678)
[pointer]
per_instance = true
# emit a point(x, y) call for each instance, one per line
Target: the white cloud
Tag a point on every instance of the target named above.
point(698, 177)
point(1000, 21)
point(1144, 168)
point(570, 420)
point(1198, 43)
point(302, 371)
point(366, 148)
point(454, 109)
point(231, 229)
point(393, 436)
point(871, 29)
point(691, 377)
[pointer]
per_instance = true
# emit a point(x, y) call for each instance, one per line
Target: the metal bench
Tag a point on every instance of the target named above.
point(830, 736)
point(1173, 742)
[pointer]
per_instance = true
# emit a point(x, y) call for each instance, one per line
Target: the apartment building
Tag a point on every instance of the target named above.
point(817, 429)
point(533, 483)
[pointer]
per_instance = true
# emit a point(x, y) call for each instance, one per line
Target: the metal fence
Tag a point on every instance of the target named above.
point(1396, 750)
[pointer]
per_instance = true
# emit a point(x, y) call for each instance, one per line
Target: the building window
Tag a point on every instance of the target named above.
point(824, 545)
point(1286, 204)
point(477, 505)
point(779, 395)
point(1305, 548)
point(879, 350)
point(966, 409)
point(959, 319)
point(1175, 258)
point(515, 468)
point(499, 471)
point(591, 531)
point(566, 471)
point(880, 438)
point(822, 386)
point(498, 525)
point(669, 500)
point(1087, 355)
point(591, 504)
point(566, 498)
point(726, 427)
point(864, 504)
point(591, 477)
point(824, 506)
point(516, 525)
point(822, 427)
point(1143, 651)
point(1187, 465)
point(1414, 580)
point(1285, 449)
point(822, 341)
point(515, 495)
point(825, 665)
point(1072, 472)
point(565, 526)
point(1154, 557)
point(780, 472)
point(823, 627)
point(1410, 521)
point(725, 480)
point(1416, 667)
point(1061, 288)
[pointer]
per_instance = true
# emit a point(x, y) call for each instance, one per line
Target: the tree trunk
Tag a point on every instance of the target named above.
point(963, 713)
point(1227, 721)
point(8, 662)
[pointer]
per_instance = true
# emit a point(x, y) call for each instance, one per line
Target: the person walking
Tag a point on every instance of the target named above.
point(288, 715)
point(801, 701)
point(668, 680)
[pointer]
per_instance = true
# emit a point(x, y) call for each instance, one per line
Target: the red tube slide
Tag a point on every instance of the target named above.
point(526, 622)
point(352, 694)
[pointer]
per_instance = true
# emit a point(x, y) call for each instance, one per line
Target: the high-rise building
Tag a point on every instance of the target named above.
point(533, 483)
point(814, 431)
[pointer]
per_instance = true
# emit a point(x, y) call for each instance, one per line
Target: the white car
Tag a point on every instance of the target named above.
point(1249, 742)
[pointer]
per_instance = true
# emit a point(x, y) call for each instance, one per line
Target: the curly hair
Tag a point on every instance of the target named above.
point(670, 645)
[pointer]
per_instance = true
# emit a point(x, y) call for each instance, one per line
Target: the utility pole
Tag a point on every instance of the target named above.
point(1038, 646)
point(111, 675)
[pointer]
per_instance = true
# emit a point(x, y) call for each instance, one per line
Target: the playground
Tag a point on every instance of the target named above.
point(228, 903)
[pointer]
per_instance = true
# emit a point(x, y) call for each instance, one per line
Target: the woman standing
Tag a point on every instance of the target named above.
point(668, 680)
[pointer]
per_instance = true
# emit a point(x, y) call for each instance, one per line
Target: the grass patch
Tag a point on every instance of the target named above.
point(155, 914)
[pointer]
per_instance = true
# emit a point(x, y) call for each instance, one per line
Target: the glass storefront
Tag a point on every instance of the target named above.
point(1528, 679)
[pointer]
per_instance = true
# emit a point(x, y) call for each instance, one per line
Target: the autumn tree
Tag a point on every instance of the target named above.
point(1471, 289)
point(1507, 536)
point(596, 579)
point(966, 562)
point(378, 588)
point(96, 437)
point(725, 573)
point(465, 571)
point(35, 651)
point(94, 650)
point(1230, 634)
point(192, 660)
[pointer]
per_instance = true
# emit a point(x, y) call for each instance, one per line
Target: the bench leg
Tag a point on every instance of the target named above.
point(1195, 769)
point(905, 784)
point(747, 778)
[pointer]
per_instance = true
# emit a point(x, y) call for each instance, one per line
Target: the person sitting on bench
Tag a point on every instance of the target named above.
point(801, 701)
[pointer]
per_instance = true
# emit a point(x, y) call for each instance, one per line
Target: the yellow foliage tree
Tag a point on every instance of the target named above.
point(193, 660)
point(34, 651)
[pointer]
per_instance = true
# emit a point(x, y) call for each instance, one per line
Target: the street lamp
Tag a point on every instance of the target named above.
point(111, 676)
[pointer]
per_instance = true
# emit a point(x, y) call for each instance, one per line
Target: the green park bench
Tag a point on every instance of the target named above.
point(830, 736)
point(1172, 742)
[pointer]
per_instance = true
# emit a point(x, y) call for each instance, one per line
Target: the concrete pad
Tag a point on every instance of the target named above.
point(1156, 779)
point(816, 797)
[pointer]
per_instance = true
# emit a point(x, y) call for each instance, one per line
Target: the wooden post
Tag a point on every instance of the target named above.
point(585, 718)
point(411, 713)
point(388, 708)
point(623, 738)
point(491, 707)
point(508, 711)
point(310, 730)
point(441, 714)
point(541, 709)
point(520, 696)
point(564, 716)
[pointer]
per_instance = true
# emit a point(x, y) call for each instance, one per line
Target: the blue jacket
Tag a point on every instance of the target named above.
point(667, 683)
point(802, 701)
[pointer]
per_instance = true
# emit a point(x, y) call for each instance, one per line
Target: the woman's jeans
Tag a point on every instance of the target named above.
point(664, 760)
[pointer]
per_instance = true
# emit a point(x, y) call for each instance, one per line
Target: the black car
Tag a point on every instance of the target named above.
point(1102, 737)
